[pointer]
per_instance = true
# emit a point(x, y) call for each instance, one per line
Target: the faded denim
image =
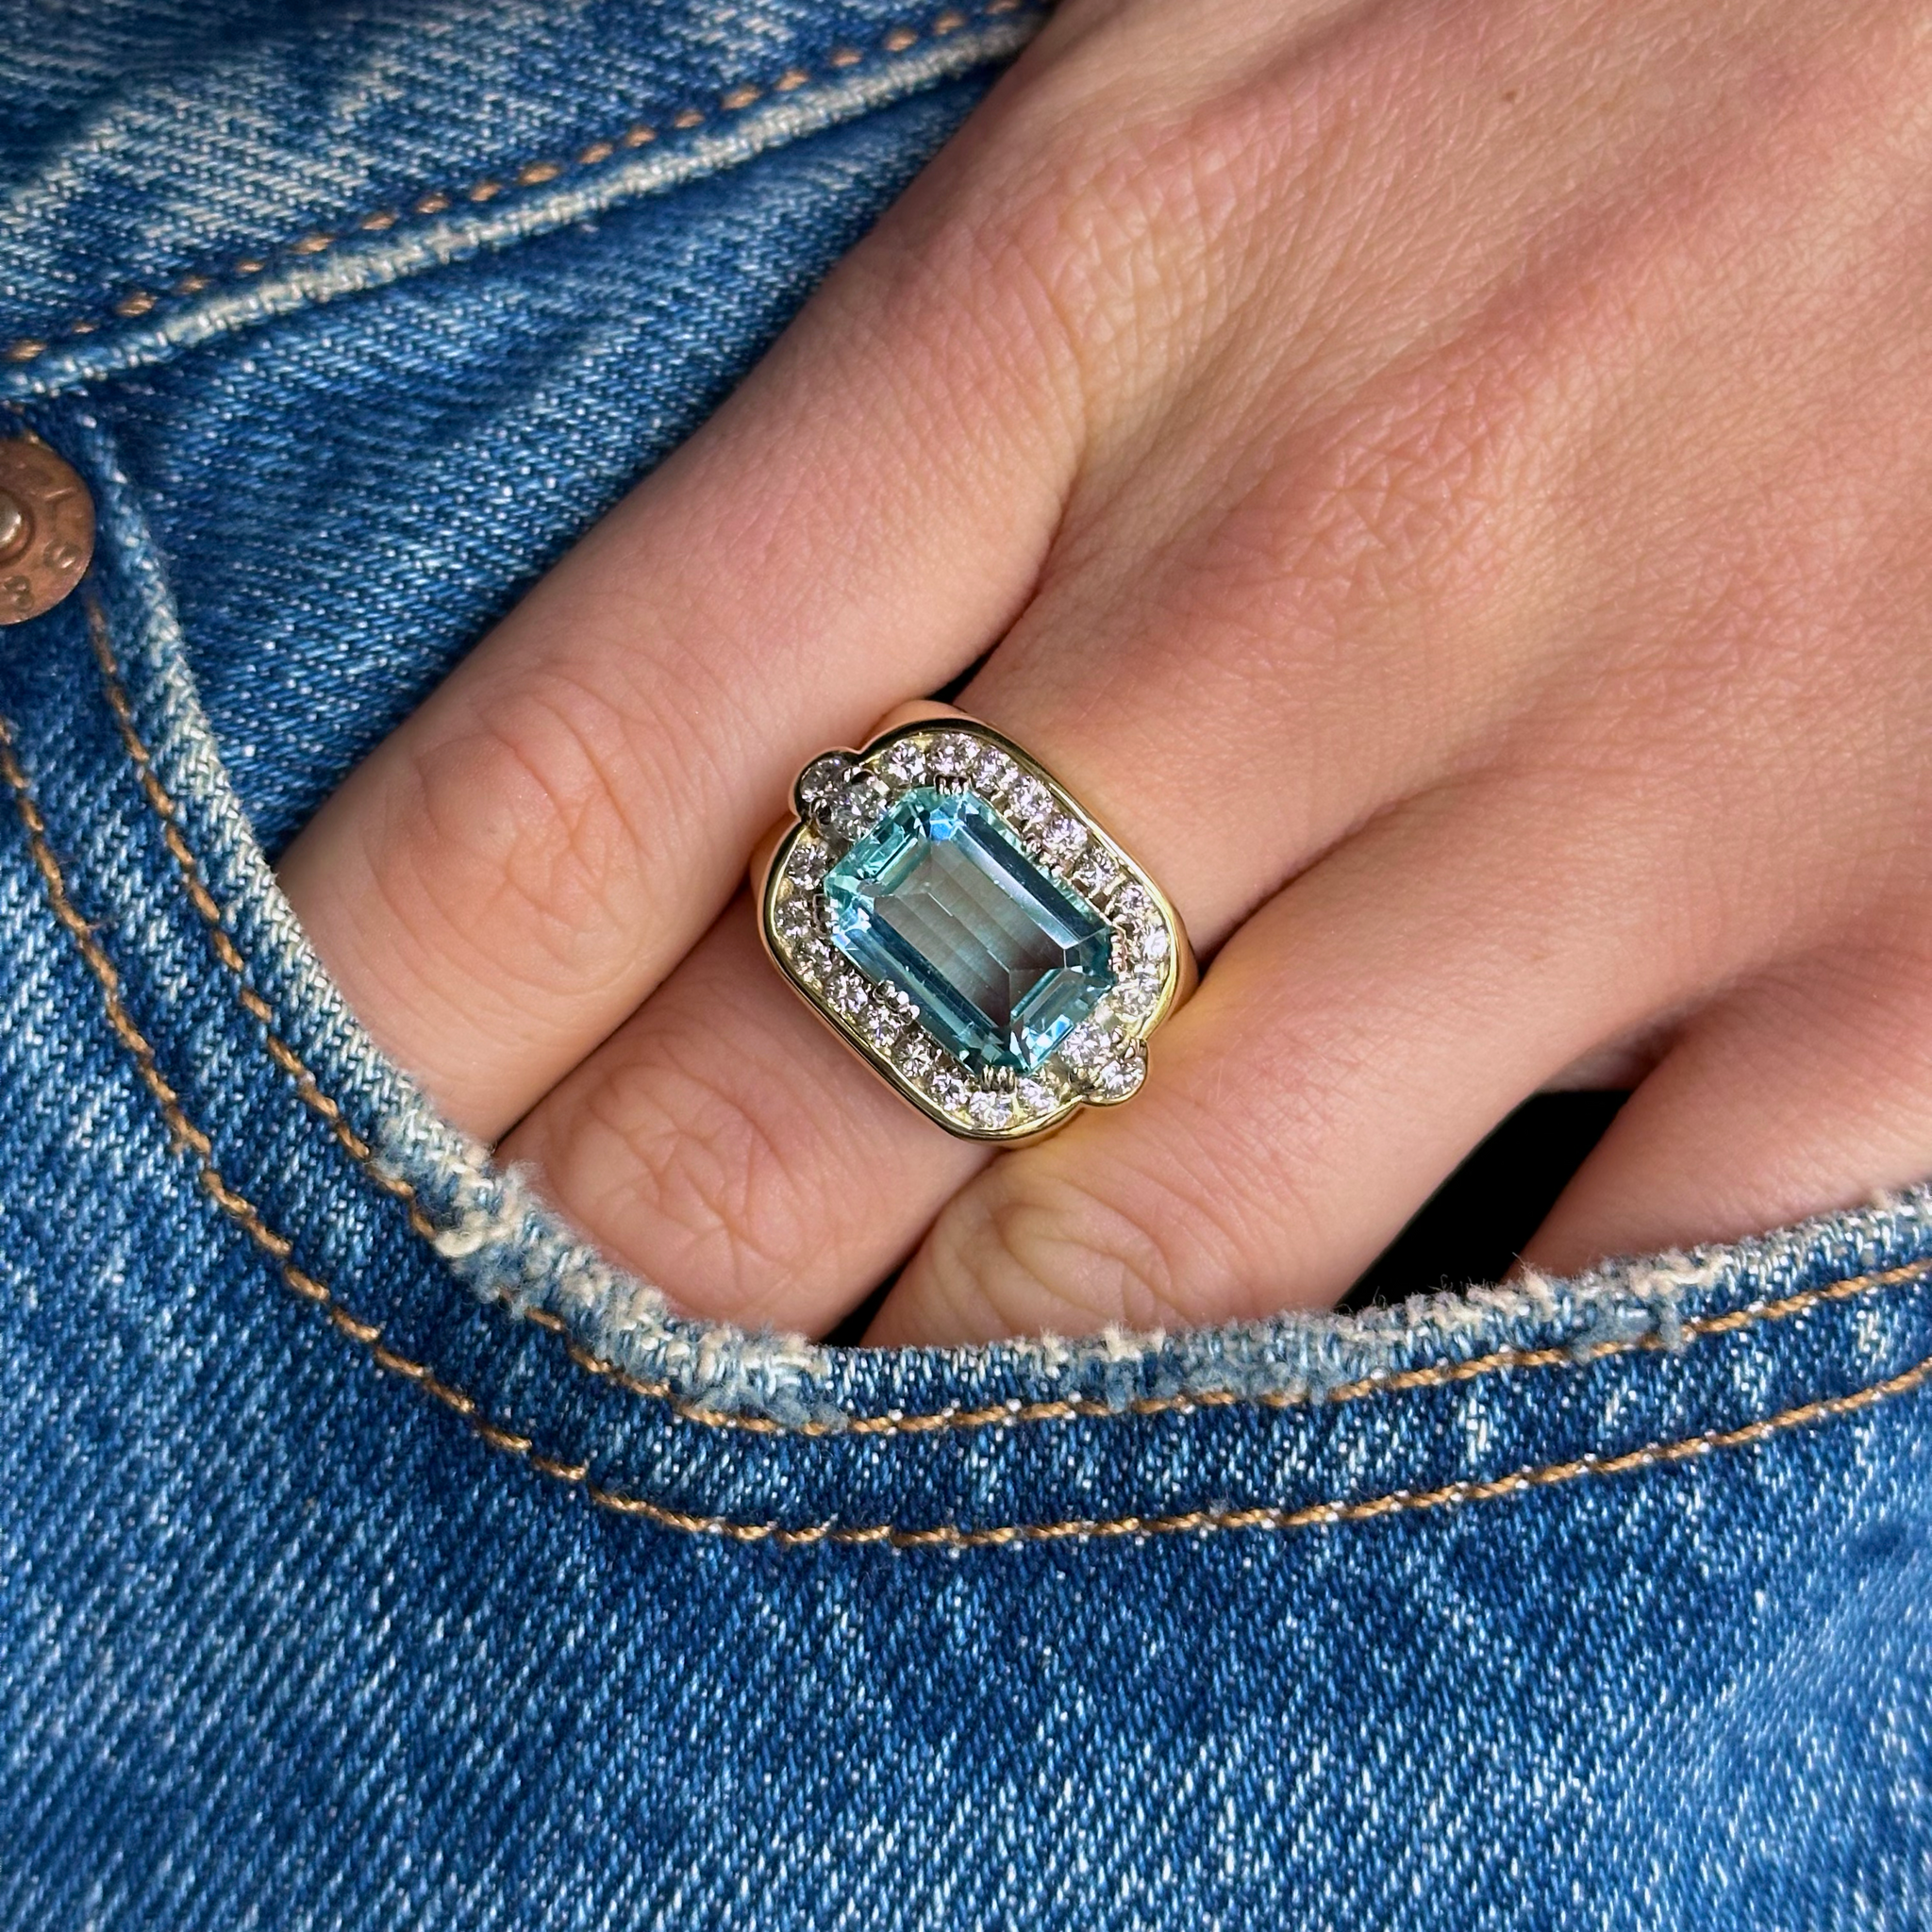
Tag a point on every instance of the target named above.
point(373, 1555)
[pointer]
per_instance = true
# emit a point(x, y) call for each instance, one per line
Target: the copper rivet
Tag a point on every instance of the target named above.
point(46, 529)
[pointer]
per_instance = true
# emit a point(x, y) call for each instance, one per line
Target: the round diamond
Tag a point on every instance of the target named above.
point(854, 809)
point(1097, 872)
point(1116, 1077)
point(850, 993)
point(993, 771)
point(797, 918)
point(1031, 801)
point(948, 1087)
point(822, 781)
point(811, 960)
point(808, 863)
point(903, 762)
point(952, 755)
point(1139, 923)
point(1085, 1047)
point(1062, 840)
point(915, 1054)
point(1135, 997)
point(882, 1023)
point(991, 1109)
point(1033, 1098)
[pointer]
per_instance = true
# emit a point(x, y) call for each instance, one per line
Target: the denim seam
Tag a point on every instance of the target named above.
point(368, 1335)
point(893, 45)
point(1322, 1515)
point(162, 802)
point(994, 1415)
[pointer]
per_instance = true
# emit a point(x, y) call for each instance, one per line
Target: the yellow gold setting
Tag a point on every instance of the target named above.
point(1076, 955)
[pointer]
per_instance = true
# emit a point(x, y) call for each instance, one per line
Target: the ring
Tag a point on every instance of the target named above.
point(960, 920)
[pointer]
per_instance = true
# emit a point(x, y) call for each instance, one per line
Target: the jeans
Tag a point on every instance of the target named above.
point(375, 1553)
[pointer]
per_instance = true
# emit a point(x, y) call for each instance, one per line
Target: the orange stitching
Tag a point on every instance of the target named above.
point(1438, 1375)
point(896, 41)
point(993, 1415)
point(1325, 1515)
point(184, 1133)
point(118, 1018)
point(943, 1536)
point(164, 807)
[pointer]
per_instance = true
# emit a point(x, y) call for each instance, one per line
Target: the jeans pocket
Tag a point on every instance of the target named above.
point(376, 1553)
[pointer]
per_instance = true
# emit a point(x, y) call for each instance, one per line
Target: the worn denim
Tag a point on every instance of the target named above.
point(371, 1553)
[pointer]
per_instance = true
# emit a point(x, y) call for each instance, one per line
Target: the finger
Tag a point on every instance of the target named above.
point(728, 1147)
point(1350, 1043)
point(504, 878)
point(1806, 1091)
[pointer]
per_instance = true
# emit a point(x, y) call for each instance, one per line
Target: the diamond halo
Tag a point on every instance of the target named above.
point(1098, 1057)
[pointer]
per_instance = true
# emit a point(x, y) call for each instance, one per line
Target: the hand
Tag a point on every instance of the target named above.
point(1451, 487)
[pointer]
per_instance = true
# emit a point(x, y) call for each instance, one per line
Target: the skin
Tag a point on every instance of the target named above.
point(1449, 482)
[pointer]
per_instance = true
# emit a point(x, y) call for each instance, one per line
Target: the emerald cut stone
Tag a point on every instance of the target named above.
point(942, 901)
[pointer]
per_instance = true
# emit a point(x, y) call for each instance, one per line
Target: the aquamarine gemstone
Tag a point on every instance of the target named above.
point(942, 901)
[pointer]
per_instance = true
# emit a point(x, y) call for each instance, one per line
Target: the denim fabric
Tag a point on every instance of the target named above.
point(373, 1554)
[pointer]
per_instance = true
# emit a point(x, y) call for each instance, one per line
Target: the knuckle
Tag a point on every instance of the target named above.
point(1083, 260)
point(1114, 256)
point(703, 1190)
point(526, 817)
point(1032, 1249)
point(1371, 545)
point(967, 333)
point(1409, 491)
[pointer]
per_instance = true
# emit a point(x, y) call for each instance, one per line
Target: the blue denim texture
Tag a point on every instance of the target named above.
point(373, 1554)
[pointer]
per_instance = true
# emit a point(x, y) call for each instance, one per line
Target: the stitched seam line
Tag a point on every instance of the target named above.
point(163, 805)
point(368, 1336)
point(1325, 1515)
point(896, 41)
point(186, 1136)
point(990, 1415)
